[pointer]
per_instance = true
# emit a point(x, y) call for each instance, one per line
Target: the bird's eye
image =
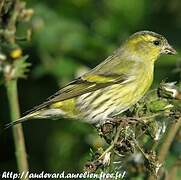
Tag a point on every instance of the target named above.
point(156, 42)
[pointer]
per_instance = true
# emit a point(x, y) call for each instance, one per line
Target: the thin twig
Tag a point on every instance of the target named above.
point(112, 144)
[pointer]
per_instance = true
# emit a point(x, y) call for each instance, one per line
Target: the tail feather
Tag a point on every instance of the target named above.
point(20, 120)
point(41, 114)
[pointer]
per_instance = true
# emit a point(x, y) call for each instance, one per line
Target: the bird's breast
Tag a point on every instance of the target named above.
point(98, 105)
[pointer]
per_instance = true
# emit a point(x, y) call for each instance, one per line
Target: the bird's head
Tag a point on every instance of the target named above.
point(149, 45)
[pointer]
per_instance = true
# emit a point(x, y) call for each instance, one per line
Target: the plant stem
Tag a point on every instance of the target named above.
point(169, 137)
point(11, 86)
point(164, 149)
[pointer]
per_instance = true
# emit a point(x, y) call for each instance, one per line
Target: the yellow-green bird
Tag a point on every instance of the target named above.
point(110, 88)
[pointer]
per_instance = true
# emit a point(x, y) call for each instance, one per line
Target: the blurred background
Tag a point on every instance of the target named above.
point(70, 37)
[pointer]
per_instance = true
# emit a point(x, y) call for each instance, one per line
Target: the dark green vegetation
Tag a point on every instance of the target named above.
point(69, 37)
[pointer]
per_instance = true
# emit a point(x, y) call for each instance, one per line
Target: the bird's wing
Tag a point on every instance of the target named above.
point(100, 77)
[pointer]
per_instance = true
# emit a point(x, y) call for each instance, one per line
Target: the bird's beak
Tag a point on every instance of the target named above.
point(168, 49)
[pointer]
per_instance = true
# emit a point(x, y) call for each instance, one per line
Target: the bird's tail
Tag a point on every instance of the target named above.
point(22, 119)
